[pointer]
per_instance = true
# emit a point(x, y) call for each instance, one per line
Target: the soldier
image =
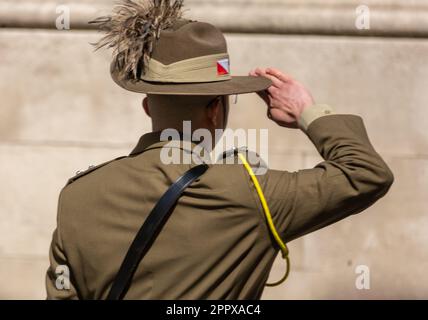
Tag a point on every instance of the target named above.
point(226, 229)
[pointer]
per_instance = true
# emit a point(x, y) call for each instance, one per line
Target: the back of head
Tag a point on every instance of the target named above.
point(169, 111)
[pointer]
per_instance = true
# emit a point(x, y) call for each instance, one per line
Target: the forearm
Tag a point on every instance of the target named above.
point(352, 177)
point(342, 140)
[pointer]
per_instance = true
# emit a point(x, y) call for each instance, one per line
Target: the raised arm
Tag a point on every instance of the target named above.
point(352, 177)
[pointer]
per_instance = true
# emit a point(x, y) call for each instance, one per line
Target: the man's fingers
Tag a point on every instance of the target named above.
point(272, 90)
point(275, 81)
point(260, 71)
point(278, 74)
point(277, 77)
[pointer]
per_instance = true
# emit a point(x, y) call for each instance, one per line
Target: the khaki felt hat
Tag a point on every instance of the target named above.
point(176, 57)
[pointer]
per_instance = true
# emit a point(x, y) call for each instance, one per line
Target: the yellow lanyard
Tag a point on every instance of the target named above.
point(282, 245)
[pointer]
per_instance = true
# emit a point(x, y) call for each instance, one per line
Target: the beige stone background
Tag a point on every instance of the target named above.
point(60, 112)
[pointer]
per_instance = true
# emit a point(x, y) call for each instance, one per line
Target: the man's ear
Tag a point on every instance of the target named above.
point(146, 106)
point(214, 112)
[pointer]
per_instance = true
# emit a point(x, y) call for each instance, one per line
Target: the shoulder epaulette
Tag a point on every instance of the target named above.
point(90, 169)
point(232, 152)
point(254, 158)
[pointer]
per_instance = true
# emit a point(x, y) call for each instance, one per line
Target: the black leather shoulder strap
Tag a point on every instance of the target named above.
point(149, 231)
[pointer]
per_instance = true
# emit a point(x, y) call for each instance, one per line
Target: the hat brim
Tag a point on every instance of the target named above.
point(236, 85)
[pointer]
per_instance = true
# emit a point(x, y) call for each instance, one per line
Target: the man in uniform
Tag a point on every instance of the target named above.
point(216, 244)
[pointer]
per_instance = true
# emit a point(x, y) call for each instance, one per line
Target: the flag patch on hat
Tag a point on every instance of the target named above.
point(222, 67)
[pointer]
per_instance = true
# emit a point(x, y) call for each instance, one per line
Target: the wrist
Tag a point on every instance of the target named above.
point(313, 112)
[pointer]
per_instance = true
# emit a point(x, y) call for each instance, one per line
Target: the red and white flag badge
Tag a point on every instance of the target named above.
point(223, 67)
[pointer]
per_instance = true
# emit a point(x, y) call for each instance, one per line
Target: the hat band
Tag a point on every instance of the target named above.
point(208, 68)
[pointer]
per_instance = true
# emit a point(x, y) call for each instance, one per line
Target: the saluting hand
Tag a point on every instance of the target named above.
point(286, 98)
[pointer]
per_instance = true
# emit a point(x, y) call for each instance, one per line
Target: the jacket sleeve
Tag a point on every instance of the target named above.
point(351, 178)
point(59, 279)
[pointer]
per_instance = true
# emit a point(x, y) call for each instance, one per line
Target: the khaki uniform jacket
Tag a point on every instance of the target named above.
point(216, 244)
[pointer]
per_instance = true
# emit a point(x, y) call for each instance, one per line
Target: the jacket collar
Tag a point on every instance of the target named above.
point(152, 140)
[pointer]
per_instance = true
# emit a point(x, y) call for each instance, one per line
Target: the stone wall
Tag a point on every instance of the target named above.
point(60, 112)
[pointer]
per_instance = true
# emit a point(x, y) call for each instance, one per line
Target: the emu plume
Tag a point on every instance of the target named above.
point(131, 31)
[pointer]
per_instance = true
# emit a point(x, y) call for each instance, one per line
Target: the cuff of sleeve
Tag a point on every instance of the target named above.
point(312, 113)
